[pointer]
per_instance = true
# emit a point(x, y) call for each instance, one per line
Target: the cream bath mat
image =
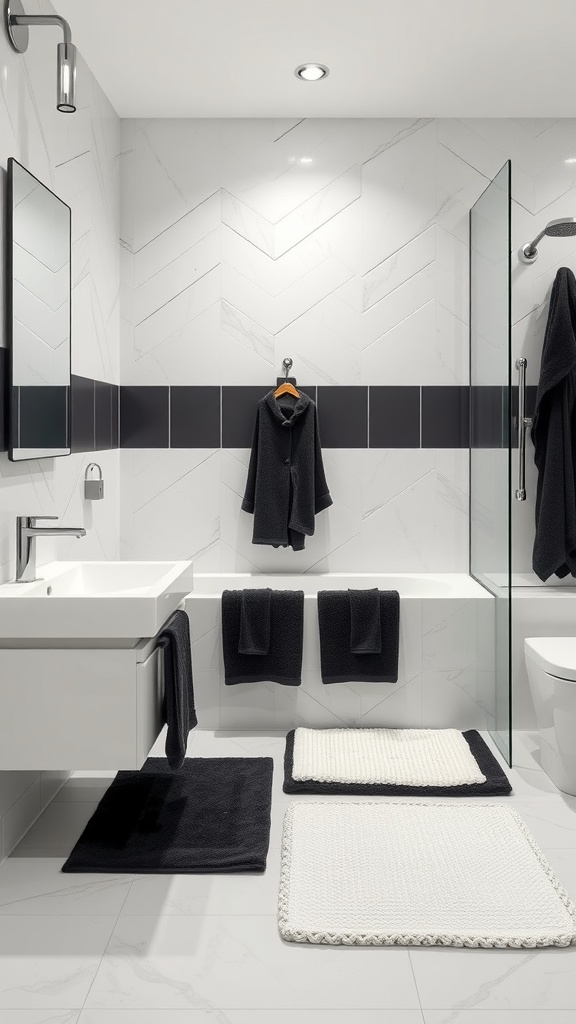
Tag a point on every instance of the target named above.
point(375, 873)
point(401, 762)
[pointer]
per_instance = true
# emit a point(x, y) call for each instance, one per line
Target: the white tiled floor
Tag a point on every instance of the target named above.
point(190, 949)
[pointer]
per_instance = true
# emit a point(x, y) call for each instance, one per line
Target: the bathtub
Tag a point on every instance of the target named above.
point(415, 585)
point(445, 671)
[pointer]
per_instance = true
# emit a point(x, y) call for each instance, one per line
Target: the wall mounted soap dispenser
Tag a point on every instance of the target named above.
point(93, 488)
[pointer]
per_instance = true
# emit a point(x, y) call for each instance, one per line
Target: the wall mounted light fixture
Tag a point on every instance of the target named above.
point(17, 23)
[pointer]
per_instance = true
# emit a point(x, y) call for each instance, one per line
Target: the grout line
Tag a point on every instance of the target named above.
point(288, 130)
point(400, 248)
point(177, 295)
point(94, 416)
point(97, 971)
point(177, 221)
point(420, 389)
point(221, 399)
point(416, 987)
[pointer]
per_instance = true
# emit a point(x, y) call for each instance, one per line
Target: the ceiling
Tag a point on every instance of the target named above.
point(388, 58)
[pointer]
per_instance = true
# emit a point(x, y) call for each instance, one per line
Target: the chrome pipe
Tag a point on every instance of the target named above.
point(44, 19)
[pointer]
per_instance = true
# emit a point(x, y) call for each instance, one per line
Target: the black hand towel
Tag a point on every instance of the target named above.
point(339, 664)
point(553, 434)
point(255, 622)
point(283, 663)
point(365, 629)
point(178, 687)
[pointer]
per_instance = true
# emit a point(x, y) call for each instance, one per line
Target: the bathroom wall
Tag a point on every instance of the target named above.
point(544, 188)
point(343, 244)
point(76, 156)
point(339, 243)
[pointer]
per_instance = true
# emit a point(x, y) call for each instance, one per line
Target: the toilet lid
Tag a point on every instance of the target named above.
point(555, 654)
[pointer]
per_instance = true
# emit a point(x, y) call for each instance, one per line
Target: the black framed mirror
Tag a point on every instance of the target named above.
point(39, 317)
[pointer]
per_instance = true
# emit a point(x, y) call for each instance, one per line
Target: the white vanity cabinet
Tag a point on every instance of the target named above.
point(77, 708)
point(79, 688)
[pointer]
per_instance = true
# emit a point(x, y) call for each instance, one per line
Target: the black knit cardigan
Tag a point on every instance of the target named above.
point(286, 485)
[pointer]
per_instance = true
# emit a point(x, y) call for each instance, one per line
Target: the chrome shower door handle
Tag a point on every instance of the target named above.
point(524, 422)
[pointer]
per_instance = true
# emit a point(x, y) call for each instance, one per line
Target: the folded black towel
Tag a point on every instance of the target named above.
point(283, 663)
point(339, 664)
point(174, 640)
point(365, 629)
point(255, 622)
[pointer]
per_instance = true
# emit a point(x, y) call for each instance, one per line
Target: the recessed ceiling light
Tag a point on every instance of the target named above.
point(312, 72)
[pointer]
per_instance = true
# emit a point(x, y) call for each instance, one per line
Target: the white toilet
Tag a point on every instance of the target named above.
point(551, 665)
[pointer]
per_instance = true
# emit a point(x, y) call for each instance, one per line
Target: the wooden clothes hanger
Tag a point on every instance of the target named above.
point(286, 388)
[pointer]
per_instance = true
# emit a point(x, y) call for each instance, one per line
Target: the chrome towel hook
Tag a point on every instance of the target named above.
point(287, 365)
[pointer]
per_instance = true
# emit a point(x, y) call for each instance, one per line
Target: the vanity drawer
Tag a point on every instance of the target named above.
point(149, 704)
point(78, 708)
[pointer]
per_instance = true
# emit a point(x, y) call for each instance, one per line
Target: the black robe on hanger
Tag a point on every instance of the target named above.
point(286, 485)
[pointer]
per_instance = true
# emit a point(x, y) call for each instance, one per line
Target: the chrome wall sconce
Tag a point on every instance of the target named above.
point(17, 24)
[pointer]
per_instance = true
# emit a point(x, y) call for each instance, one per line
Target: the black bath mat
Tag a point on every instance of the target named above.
point(210, 816)
point(496, 784)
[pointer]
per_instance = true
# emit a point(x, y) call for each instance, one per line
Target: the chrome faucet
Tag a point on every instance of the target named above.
point(26, 533)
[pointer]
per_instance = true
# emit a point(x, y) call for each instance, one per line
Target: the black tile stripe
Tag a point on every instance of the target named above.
point(102, 415)
point(144, 416)
point(82, 413)
point(446, 416)
point(394, 417)
point(195, 417)
point(343, 416)
point(350, 416)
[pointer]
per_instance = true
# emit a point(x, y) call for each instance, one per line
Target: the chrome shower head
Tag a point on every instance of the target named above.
point(563, 227)
point(17, 23)
point(66, 80)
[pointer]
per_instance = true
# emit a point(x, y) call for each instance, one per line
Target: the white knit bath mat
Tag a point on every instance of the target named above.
point(402, 757)
point(418, 874)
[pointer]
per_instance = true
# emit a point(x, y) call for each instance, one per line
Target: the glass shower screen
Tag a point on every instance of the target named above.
point(490, 455)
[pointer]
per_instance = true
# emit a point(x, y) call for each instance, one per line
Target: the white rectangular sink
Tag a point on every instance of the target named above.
point(87, 600)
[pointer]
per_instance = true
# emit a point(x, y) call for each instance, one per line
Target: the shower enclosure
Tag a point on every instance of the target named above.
point(490, 436)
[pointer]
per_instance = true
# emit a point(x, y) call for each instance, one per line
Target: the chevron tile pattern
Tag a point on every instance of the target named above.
point(246, 241)
point(344, 244)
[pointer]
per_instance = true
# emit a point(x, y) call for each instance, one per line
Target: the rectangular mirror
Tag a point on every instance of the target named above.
point(39, 317)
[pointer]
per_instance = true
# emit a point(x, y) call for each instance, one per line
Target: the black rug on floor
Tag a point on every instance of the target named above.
point(210, 816)
point(496, 784)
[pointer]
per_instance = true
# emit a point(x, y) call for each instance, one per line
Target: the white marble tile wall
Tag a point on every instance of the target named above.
point(543, 154)
point(342, 243)
point(76, 156)
point(445, 674)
